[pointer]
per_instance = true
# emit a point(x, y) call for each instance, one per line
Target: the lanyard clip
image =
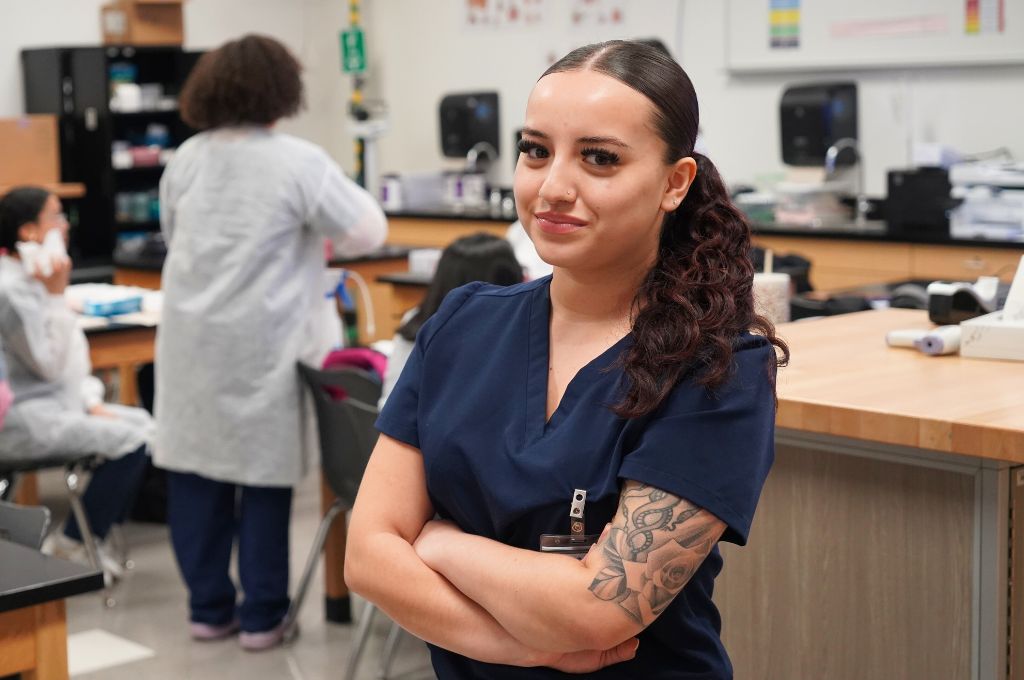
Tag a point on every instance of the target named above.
point(579, 499)
point(576, 543)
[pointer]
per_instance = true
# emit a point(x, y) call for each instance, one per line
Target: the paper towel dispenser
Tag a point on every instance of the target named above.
point(468, 119)
point(812, 117)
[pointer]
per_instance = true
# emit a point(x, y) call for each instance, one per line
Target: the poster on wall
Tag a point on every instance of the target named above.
point(504, 14)
point(985, 16)
point(586, 14)
point(813, 35)
point(784, 24)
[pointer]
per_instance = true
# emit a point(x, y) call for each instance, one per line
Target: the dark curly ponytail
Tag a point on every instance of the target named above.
point(698, 297)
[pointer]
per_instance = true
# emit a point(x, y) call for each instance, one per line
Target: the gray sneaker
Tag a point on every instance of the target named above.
point(263, 640)
point(208, 632)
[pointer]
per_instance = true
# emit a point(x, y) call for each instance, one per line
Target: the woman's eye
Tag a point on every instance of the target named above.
point(599, 157)
point(532, 149)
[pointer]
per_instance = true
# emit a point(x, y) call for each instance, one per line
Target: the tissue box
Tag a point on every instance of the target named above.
point(112, 307)
point(100, 299)
point(424, 260)
point(991, 337)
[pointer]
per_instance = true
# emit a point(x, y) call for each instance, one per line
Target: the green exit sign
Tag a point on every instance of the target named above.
point(353, 51)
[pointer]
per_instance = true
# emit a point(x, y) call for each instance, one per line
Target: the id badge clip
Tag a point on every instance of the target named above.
point(575, 543)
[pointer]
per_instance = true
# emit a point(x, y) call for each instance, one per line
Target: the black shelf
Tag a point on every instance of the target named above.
point(155, 113)
point(141, 170)
point(146, 225)
point(73, 84)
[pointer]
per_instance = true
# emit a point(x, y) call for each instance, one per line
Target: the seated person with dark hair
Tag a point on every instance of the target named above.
point(58, 405)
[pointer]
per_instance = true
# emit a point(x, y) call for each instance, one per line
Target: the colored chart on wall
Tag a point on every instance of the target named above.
point(502, 14)
point(815, 35)
point(784, 20)
point(985, 16)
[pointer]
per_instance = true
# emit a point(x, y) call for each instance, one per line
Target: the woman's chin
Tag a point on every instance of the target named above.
point(558, 255)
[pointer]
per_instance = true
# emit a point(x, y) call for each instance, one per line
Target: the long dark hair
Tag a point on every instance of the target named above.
point(477, 257)
point(698, 297)
point(18, 207)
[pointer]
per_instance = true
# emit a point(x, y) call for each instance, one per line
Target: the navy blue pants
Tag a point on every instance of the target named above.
point(110, 495)
point(204, 517)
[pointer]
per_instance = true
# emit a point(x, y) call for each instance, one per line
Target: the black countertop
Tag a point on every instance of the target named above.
point(874, 230)
point(416, 279)
point(28, 577)
point(156, 262)
point(115, 327)
point(877, 231)
point(448, 214)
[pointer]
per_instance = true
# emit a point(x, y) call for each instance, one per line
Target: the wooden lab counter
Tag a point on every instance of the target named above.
point(883, 546)
point(846, 257)
point(436, 229)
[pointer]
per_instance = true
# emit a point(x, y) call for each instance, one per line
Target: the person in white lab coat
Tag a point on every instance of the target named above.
point(58, 404)
point(245, 210)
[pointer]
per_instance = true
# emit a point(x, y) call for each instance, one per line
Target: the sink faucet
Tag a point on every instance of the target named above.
point(478, 149)
point(861, 203)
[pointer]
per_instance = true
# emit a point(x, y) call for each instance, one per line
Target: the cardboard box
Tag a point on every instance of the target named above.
point(31, 150)
point(142, 22)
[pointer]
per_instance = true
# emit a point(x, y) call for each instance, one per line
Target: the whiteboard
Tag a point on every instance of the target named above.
point(848, 34)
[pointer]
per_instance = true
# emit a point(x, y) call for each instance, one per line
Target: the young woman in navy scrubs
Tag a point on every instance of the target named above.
point(638, 372)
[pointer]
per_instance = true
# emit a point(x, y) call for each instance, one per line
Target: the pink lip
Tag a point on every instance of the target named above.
point(558, 223)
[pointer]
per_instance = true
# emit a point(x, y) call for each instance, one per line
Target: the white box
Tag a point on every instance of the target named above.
point(991, 337)
point(424, 261)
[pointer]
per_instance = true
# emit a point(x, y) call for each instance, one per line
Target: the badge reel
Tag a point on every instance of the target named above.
point(575, 543)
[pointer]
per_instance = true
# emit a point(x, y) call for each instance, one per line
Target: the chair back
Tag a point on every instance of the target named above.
point(24, 524)
point(345, 423)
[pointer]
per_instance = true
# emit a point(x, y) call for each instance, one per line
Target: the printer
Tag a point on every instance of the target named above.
point(992, 200)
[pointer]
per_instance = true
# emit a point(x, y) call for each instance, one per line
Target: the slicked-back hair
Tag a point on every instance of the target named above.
point(698, 297)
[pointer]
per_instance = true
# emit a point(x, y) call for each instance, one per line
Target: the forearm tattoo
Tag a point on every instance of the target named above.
point(652, 551)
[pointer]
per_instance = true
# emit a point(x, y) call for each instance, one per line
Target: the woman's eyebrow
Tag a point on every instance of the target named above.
point(613, 141)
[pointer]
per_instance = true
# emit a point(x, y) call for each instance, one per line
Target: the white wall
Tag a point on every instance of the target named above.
point(420, 51)
point(39, 24)
point(972, 109)
point(309, 27)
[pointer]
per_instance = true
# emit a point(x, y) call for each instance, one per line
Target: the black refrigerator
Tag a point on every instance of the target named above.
point(114, 144)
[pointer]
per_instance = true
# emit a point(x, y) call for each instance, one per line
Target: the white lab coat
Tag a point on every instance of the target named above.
point(48, 366)
point(245, 212)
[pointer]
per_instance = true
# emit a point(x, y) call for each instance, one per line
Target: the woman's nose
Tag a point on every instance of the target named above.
point(558, 186)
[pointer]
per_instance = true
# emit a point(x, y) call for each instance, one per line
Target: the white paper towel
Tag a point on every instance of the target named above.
point(771, 296)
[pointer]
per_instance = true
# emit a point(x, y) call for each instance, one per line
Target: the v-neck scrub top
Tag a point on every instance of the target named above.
point(472, 399)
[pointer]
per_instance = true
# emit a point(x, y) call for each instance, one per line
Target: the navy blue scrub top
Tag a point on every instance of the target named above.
point(473, 397)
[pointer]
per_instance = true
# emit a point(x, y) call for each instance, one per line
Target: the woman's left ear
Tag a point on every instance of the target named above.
point(680, 178)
